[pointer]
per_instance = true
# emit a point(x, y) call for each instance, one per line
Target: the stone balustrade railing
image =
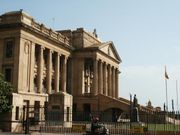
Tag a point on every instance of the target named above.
point(22, 17)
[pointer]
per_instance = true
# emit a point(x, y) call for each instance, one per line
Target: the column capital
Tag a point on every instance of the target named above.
point(100, 60)
point(66, 57)
point(42, 47)
point(118, 71)
point(104, 62)
point(109, 65)
point(58, 54)
point(33, 43)
point(51, 51)
point(113, 68)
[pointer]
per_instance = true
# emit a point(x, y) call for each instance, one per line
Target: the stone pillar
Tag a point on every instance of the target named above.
point(113, 82)
point(78, 76)
point(32, 55)
point(57, 72)
point(49, 71)
point(105, 79)
point(64, 74)
point(109, 81)
point(100, 77)
point(117, 83)
point(40, 69)
point(95, 78)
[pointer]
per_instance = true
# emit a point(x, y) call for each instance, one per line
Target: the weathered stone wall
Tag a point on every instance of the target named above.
point(80, 38)
point(89, 39)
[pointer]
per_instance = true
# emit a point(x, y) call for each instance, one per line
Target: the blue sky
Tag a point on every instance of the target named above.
point(146, 34)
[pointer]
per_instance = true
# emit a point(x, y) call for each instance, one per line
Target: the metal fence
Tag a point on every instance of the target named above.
point(152, 123)
point(43, 120)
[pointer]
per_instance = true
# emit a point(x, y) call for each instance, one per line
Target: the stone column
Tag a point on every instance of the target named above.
point(100, 77)
point(64, 73)
point(32, 55)
point(109, 81)
point(57, 67)
point(95, 78)
point(49, 71)
point(117, 82)
point(113, 82)
point(40, 69)
point(105, 79)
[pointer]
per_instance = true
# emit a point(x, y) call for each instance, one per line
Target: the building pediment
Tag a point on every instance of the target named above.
point(109, 49)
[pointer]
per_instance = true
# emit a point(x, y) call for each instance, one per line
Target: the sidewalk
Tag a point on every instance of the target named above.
point(37, 133)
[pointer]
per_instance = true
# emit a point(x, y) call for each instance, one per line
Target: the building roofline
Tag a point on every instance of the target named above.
point(21, 17)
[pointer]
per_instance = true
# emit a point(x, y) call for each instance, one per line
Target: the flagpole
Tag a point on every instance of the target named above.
point(177, 102)
point(166, 77)
point(166, 95)
point(172, 105)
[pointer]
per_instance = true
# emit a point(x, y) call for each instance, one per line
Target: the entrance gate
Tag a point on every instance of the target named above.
point(33, 117)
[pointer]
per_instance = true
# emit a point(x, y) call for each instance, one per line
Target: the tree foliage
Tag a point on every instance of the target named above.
point(6, 90)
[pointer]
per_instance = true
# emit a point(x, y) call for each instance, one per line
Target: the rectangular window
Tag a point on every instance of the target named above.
point(26, 109)
point(9, 45)
point(17, 113)
point(36, 111)
point(8, 74)
point(68, 114)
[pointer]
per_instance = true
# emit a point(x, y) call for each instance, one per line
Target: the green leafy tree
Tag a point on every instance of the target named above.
point(6, 90)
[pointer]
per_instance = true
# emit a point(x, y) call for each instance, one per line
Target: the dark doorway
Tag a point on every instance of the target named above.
point(87, 111)
point(36, 111)
point(87, 108)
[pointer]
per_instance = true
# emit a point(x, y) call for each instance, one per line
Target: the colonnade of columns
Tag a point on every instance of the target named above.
point(105, 79)
point(59, 69)
point(105, 75)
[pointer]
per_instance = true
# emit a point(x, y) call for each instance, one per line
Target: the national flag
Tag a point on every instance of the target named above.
point(166, 75)
point(172, 105)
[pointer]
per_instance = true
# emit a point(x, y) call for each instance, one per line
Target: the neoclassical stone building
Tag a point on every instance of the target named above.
point(71, 70)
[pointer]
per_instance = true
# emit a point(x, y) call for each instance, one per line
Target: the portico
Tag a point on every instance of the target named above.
point(50, 70)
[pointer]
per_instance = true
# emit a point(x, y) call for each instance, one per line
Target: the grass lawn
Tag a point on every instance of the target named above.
point(163, 127)
point(155, 127)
